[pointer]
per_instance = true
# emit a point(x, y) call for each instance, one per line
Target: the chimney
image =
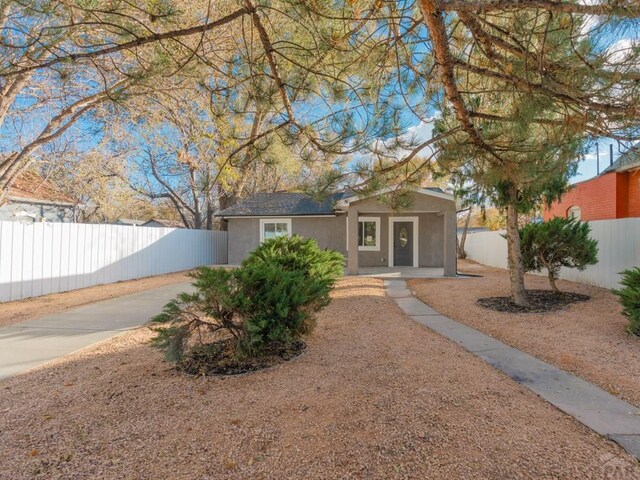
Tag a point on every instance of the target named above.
point(611, 154)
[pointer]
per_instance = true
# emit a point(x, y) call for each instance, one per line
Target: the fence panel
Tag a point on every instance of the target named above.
point(618, 248)
point(37, 259)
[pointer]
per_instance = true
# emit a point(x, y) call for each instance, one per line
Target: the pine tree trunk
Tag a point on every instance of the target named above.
point(552, 281)
point(461, 253)
point(516, 271)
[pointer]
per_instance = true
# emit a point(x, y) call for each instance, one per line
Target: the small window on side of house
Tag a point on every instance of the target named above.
point(276, 227)
point(574, 212)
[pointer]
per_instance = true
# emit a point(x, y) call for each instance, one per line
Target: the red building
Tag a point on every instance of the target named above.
point(615, 193)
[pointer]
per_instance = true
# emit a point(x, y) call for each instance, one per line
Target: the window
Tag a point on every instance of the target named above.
point(369, 233)
point(276, 227)
point(574, 212)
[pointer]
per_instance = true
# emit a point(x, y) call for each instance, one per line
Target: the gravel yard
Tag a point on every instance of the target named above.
point(20, 310)
point(586, 338)
point(374, 396)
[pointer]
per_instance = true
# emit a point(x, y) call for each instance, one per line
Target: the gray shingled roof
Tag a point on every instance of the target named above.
point(286, 203)
point(282, 203)
point(629, 159)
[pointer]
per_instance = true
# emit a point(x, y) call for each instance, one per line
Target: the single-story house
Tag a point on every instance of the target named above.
point(366, 230)
point(32, 198)
point(132, 222)
point(163, 223)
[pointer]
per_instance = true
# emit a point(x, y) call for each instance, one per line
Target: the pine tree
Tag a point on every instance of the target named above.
point(560, 242)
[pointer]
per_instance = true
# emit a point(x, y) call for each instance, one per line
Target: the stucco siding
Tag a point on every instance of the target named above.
point(431, 235)
point(329, 232)
point(244, 234)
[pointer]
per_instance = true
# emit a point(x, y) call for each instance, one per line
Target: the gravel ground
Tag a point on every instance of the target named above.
point(586, 338)
point(20, 310)
point(375, 396)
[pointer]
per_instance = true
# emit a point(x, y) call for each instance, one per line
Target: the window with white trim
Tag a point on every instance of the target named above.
point(574, 212)
point(274, 227)
point(369, 233)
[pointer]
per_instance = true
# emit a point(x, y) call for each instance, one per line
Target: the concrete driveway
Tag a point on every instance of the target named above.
point(31, 343)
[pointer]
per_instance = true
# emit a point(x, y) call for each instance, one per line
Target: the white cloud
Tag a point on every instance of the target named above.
point(421, 132)
point(619, 51)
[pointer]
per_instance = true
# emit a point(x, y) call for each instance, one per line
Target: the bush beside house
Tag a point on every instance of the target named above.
point(270, 301)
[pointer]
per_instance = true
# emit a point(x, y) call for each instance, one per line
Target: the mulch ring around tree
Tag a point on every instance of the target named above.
point(220, 358)
point(539, 301)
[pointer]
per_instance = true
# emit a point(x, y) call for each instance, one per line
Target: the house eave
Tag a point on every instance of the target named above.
point(281, 215)
point(40, 201)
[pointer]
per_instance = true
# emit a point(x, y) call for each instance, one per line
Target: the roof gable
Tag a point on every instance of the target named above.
point(429, 191)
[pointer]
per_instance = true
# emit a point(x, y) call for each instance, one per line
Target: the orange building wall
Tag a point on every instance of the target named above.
point(597, 199)
point(622, 195)
point(633, 185)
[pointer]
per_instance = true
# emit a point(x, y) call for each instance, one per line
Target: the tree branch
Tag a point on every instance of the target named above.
point(138, 42)
point(622, 8)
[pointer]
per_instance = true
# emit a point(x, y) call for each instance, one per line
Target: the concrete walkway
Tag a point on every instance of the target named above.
point(28, 344)
point(602, 412)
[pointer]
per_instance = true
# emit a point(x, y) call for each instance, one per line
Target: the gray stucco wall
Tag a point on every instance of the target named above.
point(37, 212)
point(244, 234)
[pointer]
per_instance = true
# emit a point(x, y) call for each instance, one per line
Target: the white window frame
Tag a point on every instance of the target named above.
point(264, 221)
point(416, 249)
point(370, 248)
point(572, 209)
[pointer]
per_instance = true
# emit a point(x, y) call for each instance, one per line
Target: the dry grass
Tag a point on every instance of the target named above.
point(20, 310)
point(587, 338)
point(375, 396)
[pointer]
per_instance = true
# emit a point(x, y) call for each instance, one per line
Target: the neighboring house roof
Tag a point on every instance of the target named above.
point(627, 161)
point(300, 204)
point(32, 188)
point(163, 222)
point(282, 203)
point(129, 221)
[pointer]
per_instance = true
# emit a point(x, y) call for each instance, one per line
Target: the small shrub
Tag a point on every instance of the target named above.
point(559, 242)
point(630, 298)
point(212, 307)
point(271, 298)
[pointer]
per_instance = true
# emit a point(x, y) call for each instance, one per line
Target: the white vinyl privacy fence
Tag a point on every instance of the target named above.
point(618, 249)
point(41, 258)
